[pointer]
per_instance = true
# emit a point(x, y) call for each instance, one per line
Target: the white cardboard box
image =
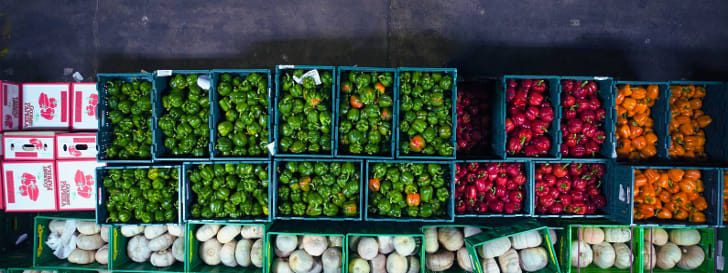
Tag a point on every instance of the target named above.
point(46, 106)
point(77, 184)
point(29, 186)
point(76, 146)
point(29, 146)
point(10, 102)
point(84, 98)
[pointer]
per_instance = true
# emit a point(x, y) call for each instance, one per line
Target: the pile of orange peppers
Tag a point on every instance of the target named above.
point(669, 194)
point(635, 137)
point(687, 138)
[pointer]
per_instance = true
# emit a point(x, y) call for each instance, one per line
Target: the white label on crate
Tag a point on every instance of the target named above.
point(719, 263)
point(164, 73)
point(312, 74)
point(622, 194)
point(10, 106)
point(286, 66)
point(600, 78)
point(271, 147)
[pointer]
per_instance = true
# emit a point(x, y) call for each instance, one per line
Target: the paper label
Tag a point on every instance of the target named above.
point(29, 186)
point(164, 73)
point(286, 66)
point(10, 106)
point(622, 194)
point(77, 184)
point(84, 99)
point(271, 148)
point(29, 147)
point(76, 146)
point(46, 106)
point(310, 74)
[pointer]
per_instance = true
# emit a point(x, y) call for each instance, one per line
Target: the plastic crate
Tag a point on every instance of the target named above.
point(634, 244)
point(161, 84)
point(620, 196)
point(119, 260)
point(188, 195)
point(104, 135)
point(385, 229)
point(499, 120)
point(606, 96)
point(528, 208)
point(494, 233)
point(450, 209)
point(454, 94)
point(486, 90)
point(102, 213)
point(605, 182)
point(722, 189)
point(300, 228)
point(708, 242)
point(274, 193)
point(280, 69)
point(395, 93)
point(716, 133)
point(217, 114)
point(193, 262)
point(43, 257)
point(658, 113)
point(455, 267)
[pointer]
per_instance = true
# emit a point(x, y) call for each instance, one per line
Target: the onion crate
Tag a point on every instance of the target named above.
point(121, 260)
point(527, 192)
point(606, 97)
point(219, 103)
point(684, 240)
point(249, 232)
point(430, 250)
point(525, 235)
point(287, 244)
point(324, 102)
point(43, 257)
point(404, 238)
point(105, 135)
point(620, 242)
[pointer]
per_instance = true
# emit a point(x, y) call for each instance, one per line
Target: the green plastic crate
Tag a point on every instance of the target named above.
point(475, 241)
point(708, 239)
point(385, 229)
point(193, 262)
point(119, 261)
point(455, 268)
point(299, 228)
point(635, 244)
point(43, 257)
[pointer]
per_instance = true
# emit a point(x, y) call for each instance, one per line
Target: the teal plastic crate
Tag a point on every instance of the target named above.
point(450, 203)
point(658, 113)
point(102, 214)
point(487, 91)
point(620, 196)
point(721, 187)
point(454, 93)
point(161, 84)
point(119, 260)
point(217, 113)
point(527, 209)
point(43, 258)
point(280, 69)
point(189, 196)
point(606, 96)
point(279, 162)
point(501, 137)
point(604, 184)
point(105, 134)
point(301, 228)
point(193, 262)
point(340, 152)
point(716, 134)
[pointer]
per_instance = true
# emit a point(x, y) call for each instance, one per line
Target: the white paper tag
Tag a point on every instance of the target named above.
point(164, 73)
point(286, 66)
point(311, 73)
point(203, 81)
point(600, 78)
point(622, 195)
point(719, 263)
point(271, 147)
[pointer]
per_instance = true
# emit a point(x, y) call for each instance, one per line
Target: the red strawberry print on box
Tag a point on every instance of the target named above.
point(29, 146)
point(84, 100)
point(76, 146)
point(10, 104)
point(46, 105)
point(29, 186)
point(77, 184)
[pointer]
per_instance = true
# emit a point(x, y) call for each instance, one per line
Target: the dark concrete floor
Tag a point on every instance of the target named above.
point(627, 39)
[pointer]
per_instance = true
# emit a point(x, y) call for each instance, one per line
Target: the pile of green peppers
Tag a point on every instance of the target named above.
point(425, 113)
point(365, 113)
point(323, 188)
point(305, 113)
point(409, 190)
point(129, 112)
point(184, 123)
point(243, 131)
point(141, 195)
point(229, 191)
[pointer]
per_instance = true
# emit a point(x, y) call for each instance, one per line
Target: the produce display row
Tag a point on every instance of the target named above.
point(522, 246)
point(404, 113)
point(430, 191)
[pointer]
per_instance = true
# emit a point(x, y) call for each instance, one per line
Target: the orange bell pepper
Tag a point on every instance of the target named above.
point(629, 103)
point(644, 211)
point(681, 199)
point(699, 186)
point(639, 142)
point(651, 138)
point(696, 104)
point(663, 181)
point(692, 174)
point(700, 203)
point(653, 91)
point(687, 185)
point(640, 180)
point(680, 119)
point(704, 121)
point(649, 123)
point(648, 151)
point(687, 129)
point(697, 217)
point(639, 92)
point(641, 107)
point(680, 214)
point(652, 175)
point(634, 131)
point(698, 113)
point(624, 131)
point(664, 214)
point(676, 174)
point(664, 196)
point(640, 119)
